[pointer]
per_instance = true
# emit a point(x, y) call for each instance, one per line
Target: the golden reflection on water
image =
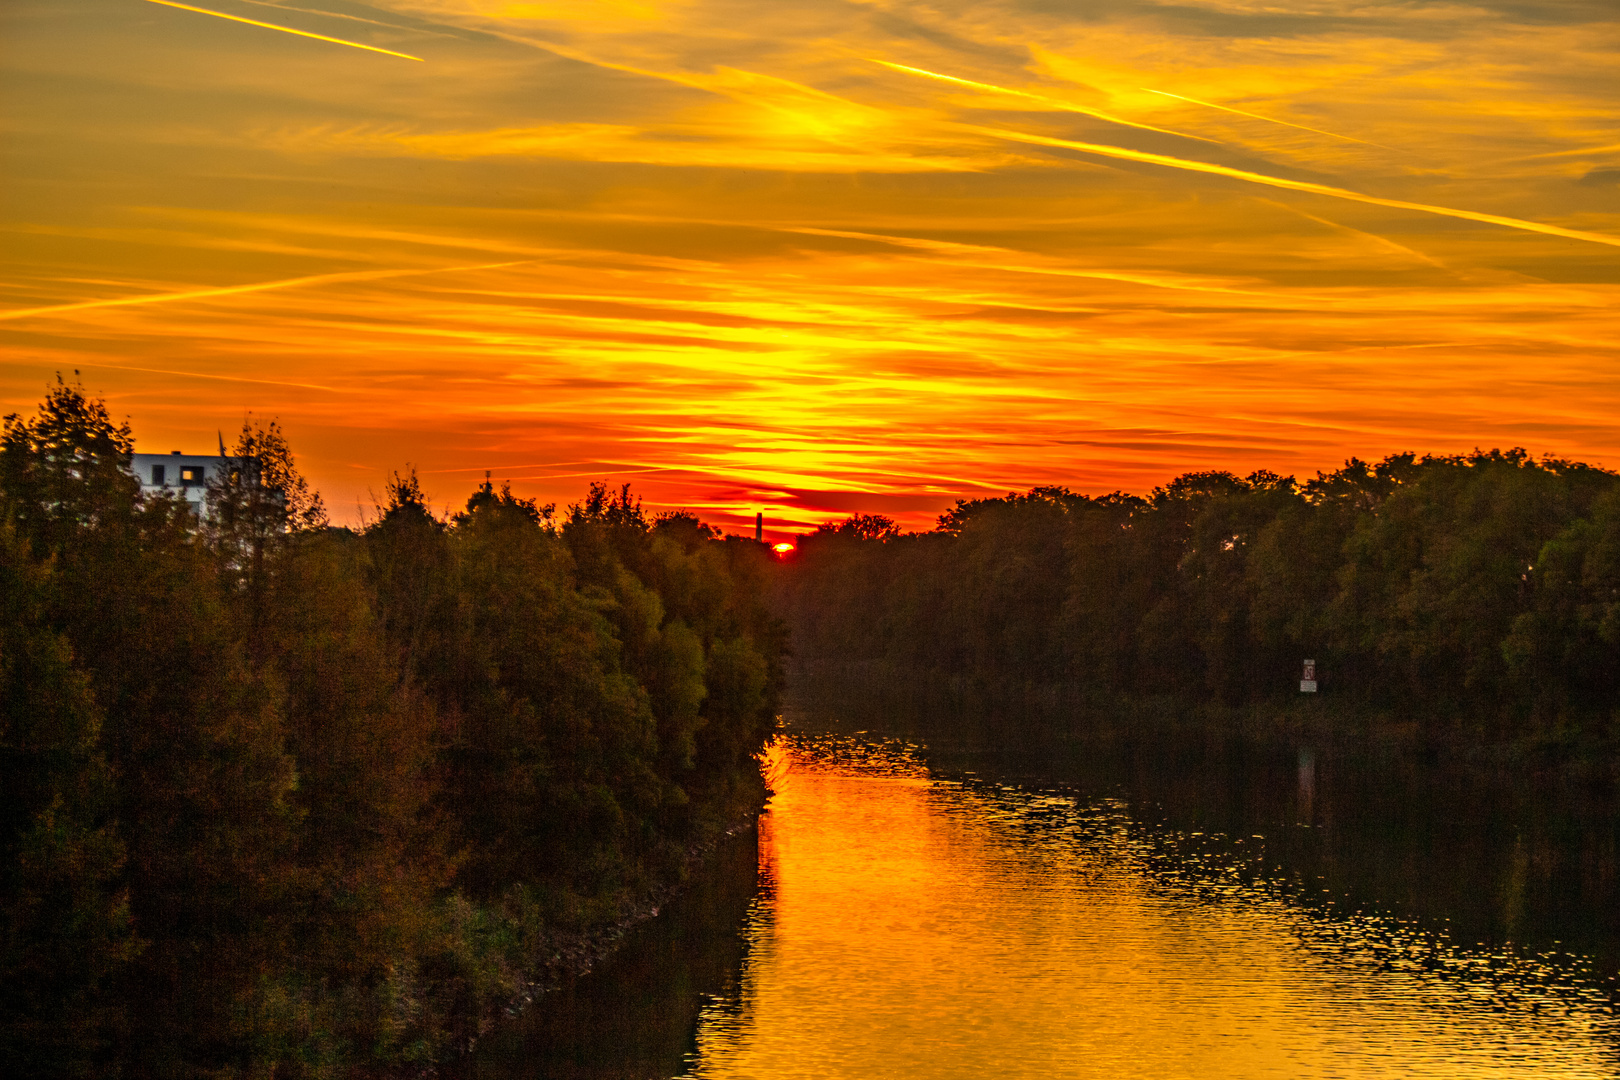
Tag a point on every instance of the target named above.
point(920, 927)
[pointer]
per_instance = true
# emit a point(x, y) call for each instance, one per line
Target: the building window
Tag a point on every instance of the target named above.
point(157, 476)
point(191, 474)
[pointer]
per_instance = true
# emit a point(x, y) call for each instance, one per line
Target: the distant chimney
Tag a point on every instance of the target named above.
point(759, 527)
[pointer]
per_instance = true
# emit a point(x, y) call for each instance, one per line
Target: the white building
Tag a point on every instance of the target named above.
point(178, 474)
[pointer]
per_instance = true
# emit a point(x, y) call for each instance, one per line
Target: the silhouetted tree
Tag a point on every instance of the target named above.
point(1469, 590)
point(287, 799)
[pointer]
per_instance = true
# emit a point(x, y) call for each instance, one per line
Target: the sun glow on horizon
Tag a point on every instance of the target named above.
point(809, 259)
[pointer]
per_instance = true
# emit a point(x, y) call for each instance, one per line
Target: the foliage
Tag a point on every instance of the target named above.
point(1479, 593)
point(64, 922)
point(293, 799)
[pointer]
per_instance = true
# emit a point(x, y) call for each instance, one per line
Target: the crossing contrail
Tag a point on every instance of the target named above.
point(1267, 119)
point(234, 290)
point(1051, 102)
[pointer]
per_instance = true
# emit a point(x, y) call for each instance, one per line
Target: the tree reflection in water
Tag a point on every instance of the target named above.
point(940, 900)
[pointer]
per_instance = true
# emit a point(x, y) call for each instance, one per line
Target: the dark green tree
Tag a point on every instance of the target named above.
point(65, 933)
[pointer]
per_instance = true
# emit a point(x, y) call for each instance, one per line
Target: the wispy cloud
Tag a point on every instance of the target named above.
point(712, 247)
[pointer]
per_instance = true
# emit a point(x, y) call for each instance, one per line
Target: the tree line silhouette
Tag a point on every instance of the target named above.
point(293, 800)
point(1475, 595)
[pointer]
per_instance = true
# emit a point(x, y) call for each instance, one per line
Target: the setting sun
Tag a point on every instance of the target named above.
point(817, 259)
point(812, 540)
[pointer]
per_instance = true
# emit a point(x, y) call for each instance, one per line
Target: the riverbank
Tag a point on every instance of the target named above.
point(643, 996)
point(565, 955)
point(1024, 712)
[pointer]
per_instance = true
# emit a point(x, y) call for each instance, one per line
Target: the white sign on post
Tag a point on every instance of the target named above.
point(1307, 682)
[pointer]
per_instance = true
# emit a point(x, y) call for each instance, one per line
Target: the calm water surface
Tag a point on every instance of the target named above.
point(943, 912)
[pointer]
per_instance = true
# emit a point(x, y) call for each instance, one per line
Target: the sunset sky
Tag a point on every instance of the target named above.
point(817, 256)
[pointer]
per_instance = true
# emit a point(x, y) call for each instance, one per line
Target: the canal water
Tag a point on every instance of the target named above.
point(926, 907)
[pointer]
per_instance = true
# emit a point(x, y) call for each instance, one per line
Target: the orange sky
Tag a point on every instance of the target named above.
point(823, 255)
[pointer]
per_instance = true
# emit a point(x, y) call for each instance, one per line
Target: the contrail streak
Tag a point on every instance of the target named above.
point(950, 248)
point(216, 378)
point(1267, 119)
point(1294, 185)
point(285, 29)
point(1594, 150)
point(276, 4)
point(233, 290)
point(1382, 241)
point(1053, 102)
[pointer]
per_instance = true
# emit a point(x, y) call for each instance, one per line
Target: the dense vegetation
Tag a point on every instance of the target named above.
point(1476, 595)
point(286, 799)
